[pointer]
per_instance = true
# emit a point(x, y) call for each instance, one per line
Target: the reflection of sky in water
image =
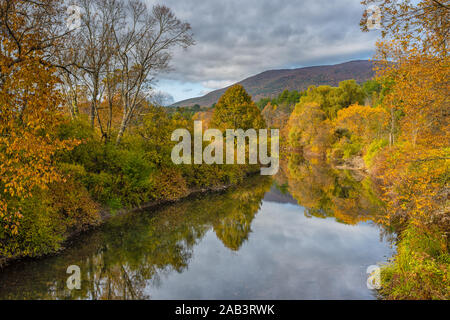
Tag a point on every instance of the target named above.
point(287, 256)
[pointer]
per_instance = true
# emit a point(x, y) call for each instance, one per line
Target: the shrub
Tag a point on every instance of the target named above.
point(169, 184)
point(373, 150)
point(49, 216)
point(39, 232)
point(420, 269)
point(74, 206)
point(346, 148)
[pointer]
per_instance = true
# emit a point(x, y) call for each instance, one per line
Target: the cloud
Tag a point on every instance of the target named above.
point(162, 98)
point(236, 39)
point(217, 84)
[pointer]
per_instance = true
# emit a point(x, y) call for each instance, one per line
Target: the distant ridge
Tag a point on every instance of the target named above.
point(273, 82)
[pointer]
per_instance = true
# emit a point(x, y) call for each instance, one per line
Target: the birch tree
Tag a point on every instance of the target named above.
point(144, 50)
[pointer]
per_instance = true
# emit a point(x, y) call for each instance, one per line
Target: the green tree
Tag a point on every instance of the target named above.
point(333, 99)
point(350, 93)
point(372, 89)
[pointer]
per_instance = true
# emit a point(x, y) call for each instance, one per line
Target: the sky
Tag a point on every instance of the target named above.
point(236, 39)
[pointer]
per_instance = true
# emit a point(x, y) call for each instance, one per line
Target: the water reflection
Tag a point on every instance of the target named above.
point(120, 260)
point(348, 196)
point(253, 241)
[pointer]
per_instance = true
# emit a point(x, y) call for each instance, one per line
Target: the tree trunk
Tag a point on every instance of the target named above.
point(94, 102)
point(392, 133)
point(123, 127)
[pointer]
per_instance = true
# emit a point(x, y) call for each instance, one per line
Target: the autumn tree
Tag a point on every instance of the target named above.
point(205, 117)
point(372, 90)
point(311, 125)
point(413, 57)
point(333, 99)
point(29, 105)
point(120, 47)
point(349, 92)
point(95, 48)
point(309, 128)
point(413, 61)
point(156, 129)
point(275, 116)
point(421, 25)
point(365, 122)
point(236, 110)
point(144, 51)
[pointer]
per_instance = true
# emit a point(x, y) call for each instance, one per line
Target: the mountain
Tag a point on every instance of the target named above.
point(273, 82)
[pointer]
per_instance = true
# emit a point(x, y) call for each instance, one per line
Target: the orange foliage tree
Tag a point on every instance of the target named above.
point(413, 59)
point(29, 106)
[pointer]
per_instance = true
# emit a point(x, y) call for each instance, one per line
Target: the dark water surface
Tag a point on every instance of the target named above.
point(252, 242)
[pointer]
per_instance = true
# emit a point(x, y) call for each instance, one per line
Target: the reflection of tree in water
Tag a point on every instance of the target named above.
point(326, 192)
point(234, 229)
point(134, 252)
point(281, 180)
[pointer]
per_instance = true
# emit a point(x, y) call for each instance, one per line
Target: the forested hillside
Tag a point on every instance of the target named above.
point(271, 83)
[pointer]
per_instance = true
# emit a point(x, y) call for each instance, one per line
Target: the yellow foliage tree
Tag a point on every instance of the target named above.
point(236, 110)
point(365, 122)
point(310, 129)
point(413, 59)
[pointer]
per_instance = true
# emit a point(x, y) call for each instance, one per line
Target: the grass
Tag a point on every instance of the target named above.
point(421, 268)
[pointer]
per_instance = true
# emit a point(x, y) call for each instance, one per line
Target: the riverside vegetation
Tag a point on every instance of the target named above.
point(78, 135)
point(401, 136)
point(71, 148)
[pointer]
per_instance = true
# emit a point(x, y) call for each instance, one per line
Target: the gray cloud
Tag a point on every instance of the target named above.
point(162, 98)
point(236, 39)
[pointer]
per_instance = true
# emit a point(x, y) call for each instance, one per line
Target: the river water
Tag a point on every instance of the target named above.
point(308, 234)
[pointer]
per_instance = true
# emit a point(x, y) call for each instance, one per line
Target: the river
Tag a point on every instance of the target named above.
point(307, 234)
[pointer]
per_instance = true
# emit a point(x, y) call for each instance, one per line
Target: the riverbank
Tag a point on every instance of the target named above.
point(106, 214)
point(420, 268)
point(167, 252)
